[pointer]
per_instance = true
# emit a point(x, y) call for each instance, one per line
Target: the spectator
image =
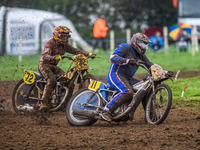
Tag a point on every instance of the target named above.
point(100, 32)
point(182, 41)
point(157, 41)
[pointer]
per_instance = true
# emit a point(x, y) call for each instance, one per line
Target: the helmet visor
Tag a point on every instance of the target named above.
point(65, 35)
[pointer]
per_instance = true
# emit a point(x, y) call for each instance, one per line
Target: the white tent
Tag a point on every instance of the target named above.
point(28, 30)
point(2, 12)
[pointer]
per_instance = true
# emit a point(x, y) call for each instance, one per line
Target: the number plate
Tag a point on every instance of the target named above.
point(94, 85)
point(29, 77)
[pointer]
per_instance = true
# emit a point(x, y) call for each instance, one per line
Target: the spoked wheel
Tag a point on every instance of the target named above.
point(77, 102)
point(19, 99)
point(157, 109)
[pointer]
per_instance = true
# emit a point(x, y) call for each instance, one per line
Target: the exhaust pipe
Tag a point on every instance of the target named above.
point(25, 108)
point(85, 114)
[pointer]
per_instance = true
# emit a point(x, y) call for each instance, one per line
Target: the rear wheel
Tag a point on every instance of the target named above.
point(76, 101)
point(18, 98)
point(158, 109)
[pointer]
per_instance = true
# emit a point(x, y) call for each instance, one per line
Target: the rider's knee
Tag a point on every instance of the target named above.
point(129, 93)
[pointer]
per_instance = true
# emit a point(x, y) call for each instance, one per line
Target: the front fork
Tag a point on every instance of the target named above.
point(82, 80)
point(154, 96)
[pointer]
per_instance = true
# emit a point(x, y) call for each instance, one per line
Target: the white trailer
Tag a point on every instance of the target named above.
point(33, 28)
point(189, 12)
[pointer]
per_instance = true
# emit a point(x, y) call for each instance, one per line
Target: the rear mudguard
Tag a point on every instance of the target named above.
point(30, 75)
point(38, 79)
point(94, 85)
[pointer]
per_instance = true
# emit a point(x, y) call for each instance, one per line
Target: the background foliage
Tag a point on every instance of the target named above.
point(134, 14)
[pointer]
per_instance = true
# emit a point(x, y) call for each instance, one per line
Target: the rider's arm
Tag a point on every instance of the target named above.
point(118, 56)
point(160, 40)
point(47, 53)
point(75, 51)
point(145, 59)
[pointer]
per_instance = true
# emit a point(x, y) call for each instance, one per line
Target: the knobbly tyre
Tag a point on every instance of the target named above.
point(27, 94)
point(86, 106)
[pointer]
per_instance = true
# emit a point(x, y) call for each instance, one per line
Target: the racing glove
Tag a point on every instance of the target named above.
point(57, 58)
point(132, 62)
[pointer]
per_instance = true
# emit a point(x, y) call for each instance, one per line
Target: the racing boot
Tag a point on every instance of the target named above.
point(43, 108)
point(46, 98)
point(107, 115)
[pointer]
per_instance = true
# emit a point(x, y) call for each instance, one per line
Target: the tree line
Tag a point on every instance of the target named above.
point(134, 14)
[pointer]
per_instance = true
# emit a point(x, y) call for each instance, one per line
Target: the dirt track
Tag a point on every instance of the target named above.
point(181, 130)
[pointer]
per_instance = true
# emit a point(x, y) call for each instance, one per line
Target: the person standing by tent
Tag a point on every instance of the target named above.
point(100, 31)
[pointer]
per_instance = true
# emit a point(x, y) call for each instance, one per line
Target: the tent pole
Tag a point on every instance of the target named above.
point(165, 32)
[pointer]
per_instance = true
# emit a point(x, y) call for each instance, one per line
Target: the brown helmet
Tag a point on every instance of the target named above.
point(140, 42)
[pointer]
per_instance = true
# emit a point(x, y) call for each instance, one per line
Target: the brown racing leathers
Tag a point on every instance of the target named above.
point(48, 65)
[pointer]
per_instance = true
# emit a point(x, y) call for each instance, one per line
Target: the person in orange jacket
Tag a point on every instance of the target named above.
point(100, 31)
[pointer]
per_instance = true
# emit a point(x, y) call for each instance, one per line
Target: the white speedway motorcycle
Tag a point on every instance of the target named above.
point(85, 106)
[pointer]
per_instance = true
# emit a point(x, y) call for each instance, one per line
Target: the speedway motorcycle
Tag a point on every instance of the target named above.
point(28, 92)
point(86, 106)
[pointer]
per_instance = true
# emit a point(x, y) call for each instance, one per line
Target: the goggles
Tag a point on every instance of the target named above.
point(64, 35)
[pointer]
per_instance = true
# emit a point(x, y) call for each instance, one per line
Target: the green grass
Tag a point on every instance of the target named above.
point(172, 61)
point(191, 95)
point(12, 69)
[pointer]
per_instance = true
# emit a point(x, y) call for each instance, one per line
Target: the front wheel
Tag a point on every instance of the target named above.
point(157, 109)
point(77, 101)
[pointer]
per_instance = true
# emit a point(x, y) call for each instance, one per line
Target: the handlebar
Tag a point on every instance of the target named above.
point(93, 57)
point(167, 73)
point(143, 63)
point(170, 73)
point(70, 58)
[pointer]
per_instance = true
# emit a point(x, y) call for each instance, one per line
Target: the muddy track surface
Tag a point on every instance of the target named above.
point(181, 129)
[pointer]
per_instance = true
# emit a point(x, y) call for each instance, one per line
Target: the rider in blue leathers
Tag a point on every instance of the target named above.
point(124, 63)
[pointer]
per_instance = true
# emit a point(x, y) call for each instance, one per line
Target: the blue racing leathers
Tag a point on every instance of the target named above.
point(121, 73)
